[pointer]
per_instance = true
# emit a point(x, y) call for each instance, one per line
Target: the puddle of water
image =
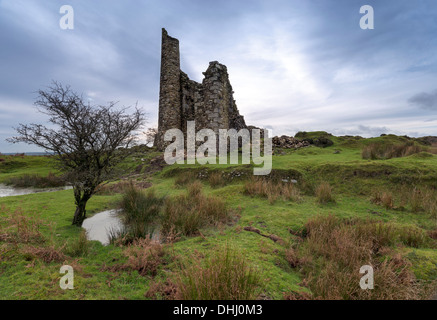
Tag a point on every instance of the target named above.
point(99, 225)
point(8, 191)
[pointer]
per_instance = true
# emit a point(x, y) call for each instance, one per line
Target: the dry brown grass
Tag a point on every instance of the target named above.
point(377, 151)
point(166, 290)
point(225, 275)
point(145, 256)
point(420, 199)
point(185, 178)
point(37, 181)
point(121, 187)
point(272, 190)
point(21, 228)
point(384, 199)
point(335, 249)
point(324, 193)
point(292, 257)
point(216, 180)
point(187, 213)
point(47, 254)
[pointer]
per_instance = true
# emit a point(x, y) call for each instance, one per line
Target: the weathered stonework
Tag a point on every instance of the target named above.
point(210, 103)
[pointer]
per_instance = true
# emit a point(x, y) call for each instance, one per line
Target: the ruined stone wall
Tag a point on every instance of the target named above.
point(210, 104)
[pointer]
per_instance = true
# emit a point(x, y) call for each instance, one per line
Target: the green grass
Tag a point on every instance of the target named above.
point(15, 166)
point(353, 181)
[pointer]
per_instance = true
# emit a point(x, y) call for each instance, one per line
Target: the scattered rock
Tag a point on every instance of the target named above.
point(286, 142)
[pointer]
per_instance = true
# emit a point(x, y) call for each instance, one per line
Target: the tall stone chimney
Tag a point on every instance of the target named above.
point(210, 103)
point(170, 89)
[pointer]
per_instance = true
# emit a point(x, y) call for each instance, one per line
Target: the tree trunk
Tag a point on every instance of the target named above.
point(79, 214)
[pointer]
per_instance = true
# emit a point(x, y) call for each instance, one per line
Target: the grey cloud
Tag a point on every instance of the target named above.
point(425, 100)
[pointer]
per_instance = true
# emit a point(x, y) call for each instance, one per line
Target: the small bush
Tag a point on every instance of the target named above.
point(224, 276)
point(324, 193)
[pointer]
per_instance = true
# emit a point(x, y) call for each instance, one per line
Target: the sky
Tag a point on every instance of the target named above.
point(294, 65)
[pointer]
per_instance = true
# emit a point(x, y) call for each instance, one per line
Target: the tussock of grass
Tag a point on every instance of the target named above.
point(186, 214)
point(377, 151)
point(120, 187)
point(324, 193)
point(216, 180)
point(140, 214)
point(20, 228)
point(145, 256)
point(422, 200)
point(36, 181)
point(79, 247)
point(185, 178)
point(166, 290)
point(335, 250)
point(47, 254)
point(272, 190)
point(417, 199)
point(383, 198)
point(226, 275)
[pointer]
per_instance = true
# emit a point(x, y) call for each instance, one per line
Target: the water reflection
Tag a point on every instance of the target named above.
point(8, 191)
point(101, 224)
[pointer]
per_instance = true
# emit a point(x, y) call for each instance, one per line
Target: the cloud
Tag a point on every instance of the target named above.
point(293, 64)
point(425, 100)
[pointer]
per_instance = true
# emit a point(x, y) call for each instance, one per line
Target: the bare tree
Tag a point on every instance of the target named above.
point(151, 136)
point(88, 141)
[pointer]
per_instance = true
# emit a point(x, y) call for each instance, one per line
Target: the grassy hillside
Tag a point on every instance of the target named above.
point(279, 240)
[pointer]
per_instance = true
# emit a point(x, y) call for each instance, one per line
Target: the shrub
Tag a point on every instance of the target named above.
point(224, 276)
point(324, 193)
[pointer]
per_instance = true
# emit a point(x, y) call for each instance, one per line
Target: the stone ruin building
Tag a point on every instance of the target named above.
point(210, 103)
